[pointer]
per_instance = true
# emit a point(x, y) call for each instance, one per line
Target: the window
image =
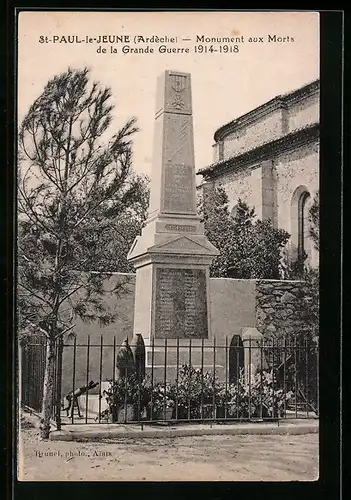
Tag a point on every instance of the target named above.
point(300, 237)
point(303, 231)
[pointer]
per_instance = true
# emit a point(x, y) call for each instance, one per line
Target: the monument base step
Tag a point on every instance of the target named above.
point(164, 359)
point(175, 353)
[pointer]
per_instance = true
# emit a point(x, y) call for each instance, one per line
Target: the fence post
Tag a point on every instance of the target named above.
point(252, 339)
point(137, 347)
point(317, 378)
point(19, 372)
point(59, 382)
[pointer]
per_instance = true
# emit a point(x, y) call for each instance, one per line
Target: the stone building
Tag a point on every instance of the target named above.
point(269, 157)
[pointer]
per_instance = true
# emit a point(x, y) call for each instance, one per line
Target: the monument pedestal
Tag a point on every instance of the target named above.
point(172, 295)
point(172, 256)
point(165, 357)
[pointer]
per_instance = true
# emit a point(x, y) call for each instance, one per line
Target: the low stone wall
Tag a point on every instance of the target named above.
point(271, 306)
point(277, 306)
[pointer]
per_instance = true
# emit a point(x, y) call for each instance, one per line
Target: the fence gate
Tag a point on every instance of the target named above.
point(32, 371)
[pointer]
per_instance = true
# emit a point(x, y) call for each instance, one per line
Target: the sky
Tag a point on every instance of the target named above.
point(224, 85)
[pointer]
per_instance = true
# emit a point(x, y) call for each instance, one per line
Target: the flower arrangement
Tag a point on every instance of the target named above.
point(196, 395)
point(261, 398)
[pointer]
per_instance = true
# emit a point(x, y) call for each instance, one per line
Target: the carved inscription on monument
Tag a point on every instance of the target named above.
point(180, 228)
point(178, 191)
point(178, 160)
point(181, 303)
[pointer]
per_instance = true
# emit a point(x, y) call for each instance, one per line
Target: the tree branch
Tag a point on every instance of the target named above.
point(35, 295)
point(36, 217)
point(69, 294)
point(64, 331)
point(37, 327)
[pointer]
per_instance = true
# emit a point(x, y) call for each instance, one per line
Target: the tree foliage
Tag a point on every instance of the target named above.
point(79, 207)
point(249, 247)
point(314, 221)
point(310, 305)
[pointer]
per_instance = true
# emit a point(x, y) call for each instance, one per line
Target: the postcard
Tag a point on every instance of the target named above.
point(168, 246)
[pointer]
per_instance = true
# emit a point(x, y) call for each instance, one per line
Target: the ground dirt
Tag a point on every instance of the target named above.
point(205, 458)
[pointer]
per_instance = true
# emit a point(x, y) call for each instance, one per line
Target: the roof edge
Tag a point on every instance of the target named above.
point(298, 136)
point(276, 102)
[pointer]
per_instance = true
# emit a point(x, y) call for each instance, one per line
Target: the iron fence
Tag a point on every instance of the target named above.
point(169, 381)
point(32, 369)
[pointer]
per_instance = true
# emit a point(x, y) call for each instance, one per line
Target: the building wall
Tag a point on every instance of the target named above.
point(303, 113)
point(299, 168)
point(267, 129)
point(271, 126)
point(243, 184)
point(292, 170)
point(234, 305)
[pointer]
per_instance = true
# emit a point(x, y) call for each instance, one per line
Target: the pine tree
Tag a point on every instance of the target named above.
point(74, 185)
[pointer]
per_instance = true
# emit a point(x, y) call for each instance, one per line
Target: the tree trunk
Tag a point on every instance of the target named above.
point(48, 392)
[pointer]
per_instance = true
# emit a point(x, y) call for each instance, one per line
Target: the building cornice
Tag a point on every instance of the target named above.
point(266, 151)
point(279, 102)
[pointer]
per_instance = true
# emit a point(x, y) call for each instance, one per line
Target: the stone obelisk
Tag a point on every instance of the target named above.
point(172, 256)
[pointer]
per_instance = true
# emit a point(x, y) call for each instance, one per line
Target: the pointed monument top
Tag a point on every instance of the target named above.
point(173, 190)
point(173, 226)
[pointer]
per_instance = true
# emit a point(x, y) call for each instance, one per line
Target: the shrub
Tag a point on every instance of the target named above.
point(260, 399)
point(249, 248)
point(198, 394)
point(126, 391)
point(197, 391)
point(162, 398)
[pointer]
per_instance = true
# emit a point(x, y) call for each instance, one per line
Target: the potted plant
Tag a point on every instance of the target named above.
point(161, 403)
point(126, 399)
point(197, 394)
